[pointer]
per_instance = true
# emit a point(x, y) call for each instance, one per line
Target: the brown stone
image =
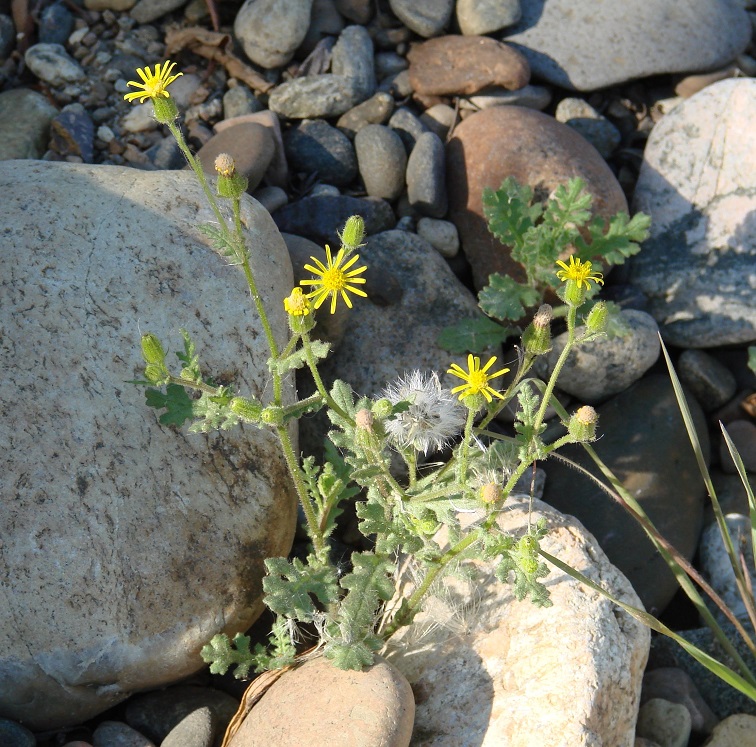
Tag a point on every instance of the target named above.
point(535, 149)
point(465, 65)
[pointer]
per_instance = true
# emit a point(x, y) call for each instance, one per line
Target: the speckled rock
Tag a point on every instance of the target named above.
point(343, 708)
point(104, 492)
point(426, 176)
point(664, 722)
point(52, 64)
point(478, 660)
point(25, 118)
point(668, 37)
point(426, 18)
point(376, 110)
point(738, 730)
point(382, 161)
point(643, 441)
point(697, 184)
point(464, 65)
point(532, 147)
point(486, 16)
point(352, 57)
point(324, 95)
point(271, 30)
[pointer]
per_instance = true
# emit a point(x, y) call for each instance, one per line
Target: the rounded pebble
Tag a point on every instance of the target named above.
point(352, 58)
point(712, 383)
point(376, 110)
point(52, 64)
point(426, 176)
point(15, 735)
point(382, 161)
point(426, 18)
point(324, 95)
point(317, 147)
point(195, 730)
point(664, 722)
point(584, 119)
point(25, 118)
point(440, 234)
point(118, 734)
point(486, 16)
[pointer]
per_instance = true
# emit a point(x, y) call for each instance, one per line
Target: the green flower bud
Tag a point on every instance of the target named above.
point(155, 373)
point(582, 425)
point(354, 233)
point(597, 318)
point(474, 402)
point(249, 410)
point(536, 339)
point(230, 184)
point(527, 555)
point(165, 109)
point(152, 350)
point(382, 408)
point(272, 415)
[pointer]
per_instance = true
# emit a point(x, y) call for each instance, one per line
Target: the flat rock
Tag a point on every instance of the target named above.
point(106, 584)
point(583, 45)
point(325, 95)
point(376, 110)
point(464, 65)
point(642, 439)
point(343, 708)
point(535, 149)
point(484, 666)
point(697, 184)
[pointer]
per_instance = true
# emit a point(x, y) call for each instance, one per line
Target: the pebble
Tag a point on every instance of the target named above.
point(486, 16)
point(696, 181)
point(195, 730)
point(667, 37)
point(315, 147)
point(140, 118)
point(465, 65)
point(743, 435)
point(439, 118)
point(271, 30)
point(607, 365)
point(334, 707)
point(271, 198)
point(584, 119)
point(325, 24)
point(398, 85)
point(642, 439)
point(52, 64)
point(55, 24)
point(382, 161)
point(440, 234)
point(674, 684)
point(318, 218)
point(408, 126)
point(376, 110)
point(692, 84)
point(738, 730)
point(533, 97)
point(389, 63)
point(15, 735)
point(7, 36)
point(25, 118)
point(359, 11)
point(711, 383)
point(118, 734)
point(238, 101)
point(248, 143)
point(666, 723)
point(72, 133)
point(426, 18)
point(352, 57)
point(535, 149)
point(324, 95)
point(147, 11)
point(426, 176)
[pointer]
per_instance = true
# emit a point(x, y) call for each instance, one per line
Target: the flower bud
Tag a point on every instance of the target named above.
point(225, 165)
point(491, 493)
point(364, 420)
point(152, 350)
point(155, 373)
point(299, 308)
point(582, 425)
point(354, 233)
point(249, 410)
point(272, 415)
point(382, 408)
point(597, 317)
point(230, 184)
point(536, 339)
point(165, 109)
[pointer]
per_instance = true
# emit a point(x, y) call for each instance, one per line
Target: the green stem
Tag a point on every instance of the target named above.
point(189, 384)
point(313, 366)
point(465, 450)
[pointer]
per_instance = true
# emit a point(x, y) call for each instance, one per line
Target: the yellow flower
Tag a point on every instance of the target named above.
point(297, 304)
point(154, 84)
point(579, 272)
point(477, 378)
point(334, 279)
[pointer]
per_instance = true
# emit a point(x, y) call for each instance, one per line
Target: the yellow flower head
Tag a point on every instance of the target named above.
point(154, 84)
point(476, 378)
point(579, 272)
point(335, 278)
point(297, 304)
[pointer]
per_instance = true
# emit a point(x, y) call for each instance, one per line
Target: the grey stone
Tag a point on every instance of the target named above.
point(711, 382)
point(72, 133)
point(439, 118)
point(56, 22)
point(102, 490)
point(426, 18)
point(480, 660)
point(271, 30)
point(426, 176)
point(238, 101)
point(315, 147)
point(52, 64)
point(7, 36)
point(675, 684)
point(642, 439)
point(734, 731)
point(533, 97)
point(696, 183)
point(118, 734)
point(195, 730)
point(486, 16)
point(389, 63)
point(324, 95)
point(382, 161)
point(440, 234)
point(398, 85)
point(664, 722)
point(668, 37)
point(583, 118)
point(271, 198)
point(352, 57)
point(325, 24)
point(25, 118)
point(376, 110)
point(15, 735)
point(147, 11)
point(606, 365)
point(359, 11)
point(408, 126)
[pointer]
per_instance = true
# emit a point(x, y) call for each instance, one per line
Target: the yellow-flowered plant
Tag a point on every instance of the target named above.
point(416, 415)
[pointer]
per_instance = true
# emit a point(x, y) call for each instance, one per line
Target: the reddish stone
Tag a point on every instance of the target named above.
point(465, 65)
point(535, 149)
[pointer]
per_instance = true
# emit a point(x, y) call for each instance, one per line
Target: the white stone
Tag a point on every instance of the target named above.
point(52, 64)
point(492, 671)
point(126, 544)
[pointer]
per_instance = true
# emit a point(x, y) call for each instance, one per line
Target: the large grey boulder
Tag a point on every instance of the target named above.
point(126, 544)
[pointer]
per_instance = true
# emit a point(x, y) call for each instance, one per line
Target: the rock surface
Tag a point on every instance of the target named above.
point(668, 36)
point(128, 544)
point(697, 184)
point(479, 675)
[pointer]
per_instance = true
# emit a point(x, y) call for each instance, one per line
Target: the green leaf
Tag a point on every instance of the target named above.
point(621, 240)
point(177, 403)
point(473, 335)
point(291, 585)
point(349, 656)
point(221, 656)
point(504, 298)
point(191, 369)
point(298, 359)
point(509, 212)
